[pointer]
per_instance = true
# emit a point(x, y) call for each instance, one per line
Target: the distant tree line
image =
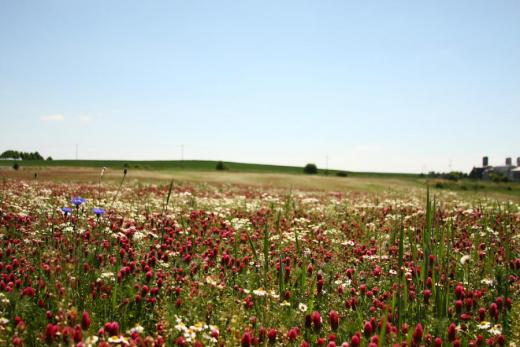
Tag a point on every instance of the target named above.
point(10, 154)
point(457, 175)
point(452, 175)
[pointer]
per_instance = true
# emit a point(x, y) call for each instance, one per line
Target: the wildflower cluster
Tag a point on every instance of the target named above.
point(242, 266)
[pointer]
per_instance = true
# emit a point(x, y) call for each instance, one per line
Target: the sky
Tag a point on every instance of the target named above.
point(389, 86)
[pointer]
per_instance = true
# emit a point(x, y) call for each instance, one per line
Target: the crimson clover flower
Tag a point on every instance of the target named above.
point(85, 321)
point(334, 320)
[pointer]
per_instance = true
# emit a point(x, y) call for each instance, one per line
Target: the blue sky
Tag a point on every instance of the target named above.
point(404, 86)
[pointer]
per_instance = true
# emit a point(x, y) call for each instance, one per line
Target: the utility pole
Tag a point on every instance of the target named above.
point(327, 164)
point(182, 155)
point(76, 151)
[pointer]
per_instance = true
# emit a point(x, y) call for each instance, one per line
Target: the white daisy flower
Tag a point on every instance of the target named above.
point(464, 259)
point(496, 329)
point(260, 292)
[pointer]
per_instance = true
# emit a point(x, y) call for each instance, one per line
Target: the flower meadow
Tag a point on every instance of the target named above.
point(227, 265)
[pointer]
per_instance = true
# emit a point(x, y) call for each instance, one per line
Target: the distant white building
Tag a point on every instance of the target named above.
point(515, 174)
point(486, 171)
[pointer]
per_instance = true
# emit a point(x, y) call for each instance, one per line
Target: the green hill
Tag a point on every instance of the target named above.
point(191, 165)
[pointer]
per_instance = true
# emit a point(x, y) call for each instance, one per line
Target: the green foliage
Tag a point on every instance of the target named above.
point(16, 166)
point(498, 177)
point(310, 169)
point(341, 174)
point(220, 166)
point(10, 154)
point(168, 197)
point(451, 176)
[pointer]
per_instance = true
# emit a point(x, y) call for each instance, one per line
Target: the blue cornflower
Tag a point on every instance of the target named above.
point(66, 210)
point(98, 211)
point(78, 200)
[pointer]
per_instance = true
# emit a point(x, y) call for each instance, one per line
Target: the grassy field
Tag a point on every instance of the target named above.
point(190, 165)
point(196, 264)
point(237, 258)
point(276, 176)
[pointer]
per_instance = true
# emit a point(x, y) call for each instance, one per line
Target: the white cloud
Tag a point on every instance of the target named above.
point(53, 118)
point(85, 119)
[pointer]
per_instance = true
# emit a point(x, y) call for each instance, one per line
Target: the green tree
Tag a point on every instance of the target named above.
point(220, 166)
point(310, 169)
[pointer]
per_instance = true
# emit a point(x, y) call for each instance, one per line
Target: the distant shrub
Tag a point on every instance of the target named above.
point(16, 166)
point(477, 187)
point(49, 158)
point(310, 169)
point(439, 185)
point(341, 174)
point(498, 177)
point(220, 166)
point(452, 176)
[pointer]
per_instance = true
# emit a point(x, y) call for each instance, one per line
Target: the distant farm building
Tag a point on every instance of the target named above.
point(508, 171)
